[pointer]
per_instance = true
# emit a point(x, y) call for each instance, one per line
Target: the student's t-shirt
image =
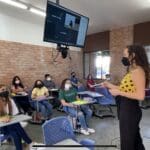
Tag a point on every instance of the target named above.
point(69, 96)
point(39, 91)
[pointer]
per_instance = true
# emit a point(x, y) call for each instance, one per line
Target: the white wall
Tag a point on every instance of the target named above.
point(20, 30)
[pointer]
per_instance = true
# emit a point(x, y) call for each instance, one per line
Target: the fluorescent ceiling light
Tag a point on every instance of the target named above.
point(15, 3)
point(38, 11)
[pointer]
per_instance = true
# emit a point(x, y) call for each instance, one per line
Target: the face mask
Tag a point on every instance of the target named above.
point(4, 94)
point(39, 85)
point(125, 61)
point(49, 79)
point(67, 86)
point(17, 82)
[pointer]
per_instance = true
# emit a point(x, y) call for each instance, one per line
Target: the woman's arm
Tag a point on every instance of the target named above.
point(109, 85)
point(34, 95)
point(138, 77)
point(64, 103)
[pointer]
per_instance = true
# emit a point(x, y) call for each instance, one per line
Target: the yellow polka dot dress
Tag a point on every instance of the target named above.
point(127, 84)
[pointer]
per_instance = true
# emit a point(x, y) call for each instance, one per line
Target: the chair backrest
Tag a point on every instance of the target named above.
point(108, 98)
point(81, 88)
point(56, 130)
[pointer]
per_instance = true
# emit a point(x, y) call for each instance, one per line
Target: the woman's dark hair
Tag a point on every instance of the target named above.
point(89, 76)
point(140, 59)
point(17, 85)
point(5, 100)
point(47, 75)
point(35, 84)
point(62, 87)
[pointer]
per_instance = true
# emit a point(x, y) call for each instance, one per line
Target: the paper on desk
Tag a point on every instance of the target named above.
point(80, 102)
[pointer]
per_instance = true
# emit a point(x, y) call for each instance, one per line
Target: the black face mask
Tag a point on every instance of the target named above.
point(39, 85)
point(4, 94)
point(125, 61)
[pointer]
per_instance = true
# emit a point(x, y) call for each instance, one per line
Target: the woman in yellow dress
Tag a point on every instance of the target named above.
point(128, 95)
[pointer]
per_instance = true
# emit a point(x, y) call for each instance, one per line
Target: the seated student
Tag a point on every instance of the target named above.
point(74, 80)
point(67, 95)
point(90, 83)
point(48, 82)
point(39, 93)
point(17, 88)
point(15, 131)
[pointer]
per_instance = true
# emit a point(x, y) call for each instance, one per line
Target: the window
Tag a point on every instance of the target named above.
point(97, 63)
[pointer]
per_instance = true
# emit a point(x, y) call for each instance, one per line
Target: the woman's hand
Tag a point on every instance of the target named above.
point(114, 92)
point(5, 119)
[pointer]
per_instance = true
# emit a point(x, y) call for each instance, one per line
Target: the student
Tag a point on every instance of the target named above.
point(130, 92)
point(40, 93)
point(51, 85)
point(17, 88)
point(16, 131)
point(74, 80)
point(67, 95)
point(90, 83)
point(48, 82)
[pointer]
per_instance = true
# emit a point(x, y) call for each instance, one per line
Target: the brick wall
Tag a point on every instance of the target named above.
point(31, 62)
point(119, 39)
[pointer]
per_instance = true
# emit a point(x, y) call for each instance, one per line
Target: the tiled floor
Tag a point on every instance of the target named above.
point(107, 131)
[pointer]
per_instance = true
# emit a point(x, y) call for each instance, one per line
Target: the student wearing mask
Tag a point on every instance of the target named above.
point(17, 88)
point(40, 94)
point(90, 83)
point(48, 82)
point(15, 131)
point(129, 93)
point(74, 80)
point(67, 95)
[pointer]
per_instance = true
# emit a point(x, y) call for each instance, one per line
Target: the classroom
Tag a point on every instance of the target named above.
point(75, 75)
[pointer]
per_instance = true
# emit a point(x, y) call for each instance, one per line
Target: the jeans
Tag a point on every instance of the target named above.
point(83, 115)
point(44, 107)
point(17, 133)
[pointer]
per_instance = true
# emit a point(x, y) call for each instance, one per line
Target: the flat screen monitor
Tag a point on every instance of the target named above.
point(63, 26)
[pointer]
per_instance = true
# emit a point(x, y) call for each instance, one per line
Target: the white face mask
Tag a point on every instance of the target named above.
point(67, 86)
point(49, 79)
point(17, 82)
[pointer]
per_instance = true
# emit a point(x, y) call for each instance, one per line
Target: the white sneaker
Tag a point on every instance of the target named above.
point(85, 132)
point(90, 130)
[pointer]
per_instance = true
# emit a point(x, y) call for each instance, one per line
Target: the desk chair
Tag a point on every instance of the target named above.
point(36, 116)
point(59, 129)
point(146, 103)
point(3, 138)
point(106, 101)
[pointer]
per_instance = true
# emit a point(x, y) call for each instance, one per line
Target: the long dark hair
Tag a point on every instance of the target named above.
point(88, 77)
point(62, 87)
point(4, 100)
point(17, 85)
point(140, 59)
point(35, 84)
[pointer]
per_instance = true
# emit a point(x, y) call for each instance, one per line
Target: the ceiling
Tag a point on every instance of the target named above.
point(103, 14)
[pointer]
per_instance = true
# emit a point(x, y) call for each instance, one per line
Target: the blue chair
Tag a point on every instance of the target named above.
point(59, 129)
point(81, 88)
point(3, 137)
point(106, 101)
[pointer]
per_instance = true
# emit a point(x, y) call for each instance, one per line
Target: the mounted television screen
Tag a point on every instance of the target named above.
point(63, 26)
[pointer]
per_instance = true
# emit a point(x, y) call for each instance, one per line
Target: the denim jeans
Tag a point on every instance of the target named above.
point(83, 114)
point(17, 133)
point(44, 107)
